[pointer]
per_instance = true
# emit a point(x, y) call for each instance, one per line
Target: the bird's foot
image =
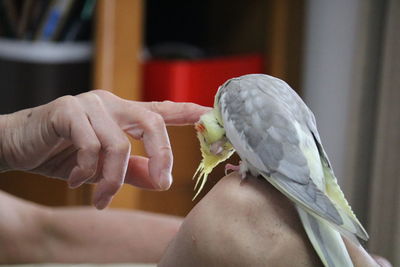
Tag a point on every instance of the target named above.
point(231, 167)
point(238, 168)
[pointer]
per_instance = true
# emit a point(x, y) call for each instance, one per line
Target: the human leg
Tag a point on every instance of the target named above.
point(246, 223)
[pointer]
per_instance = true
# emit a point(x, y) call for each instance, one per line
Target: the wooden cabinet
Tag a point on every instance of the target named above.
point(270, 27)
point(273, 28)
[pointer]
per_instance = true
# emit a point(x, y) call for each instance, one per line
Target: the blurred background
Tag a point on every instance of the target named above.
point(341, 56)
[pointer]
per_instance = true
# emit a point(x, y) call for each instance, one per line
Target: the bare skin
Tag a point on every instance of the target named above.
point(31, 233)
point(247, 223)
point(238, 223)
point(83, 139)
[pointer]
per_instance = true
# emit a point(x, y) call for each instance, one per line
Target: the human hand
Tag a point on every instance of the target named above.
point(82, 139)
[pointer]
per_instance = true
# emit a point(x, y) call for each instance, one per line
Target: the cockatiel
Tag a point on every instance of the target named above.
point(275, 135)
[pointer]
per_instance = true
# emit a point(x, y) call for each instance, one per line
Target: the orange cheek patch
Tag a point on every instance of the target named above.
point(200, 127)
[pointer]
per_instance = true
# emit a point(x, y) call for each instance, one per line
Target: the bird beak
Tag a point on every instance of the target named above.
point(216, 148)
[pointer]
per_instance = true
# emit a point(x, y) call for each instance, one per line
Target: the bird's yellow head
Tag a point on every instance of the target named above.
point(214, 146)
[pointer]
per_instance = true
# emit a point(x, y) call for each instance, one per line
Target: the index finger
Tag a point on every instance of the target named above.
point(175, 113)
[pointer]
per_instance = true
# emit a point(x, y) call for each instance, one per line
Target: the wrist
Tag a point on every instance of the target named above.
point(13, 137)
point(3, 141)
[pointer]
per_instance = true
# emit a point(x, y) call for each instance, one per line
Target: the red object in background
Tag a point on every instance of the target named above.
point(194, 80)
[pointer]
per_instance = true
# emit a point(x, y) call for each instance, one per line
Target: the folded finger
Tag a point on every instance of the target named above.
point(137, 173)
point(73, 124)
point(151, 129)
point(85, 140)
point(115, 148)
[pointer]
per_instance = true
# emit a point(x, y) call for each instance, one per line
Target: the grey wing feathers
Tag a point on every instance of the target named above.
point(264, 119)
point(306, 195)
point(326, 241)
point(258, 120)
point(338, 194)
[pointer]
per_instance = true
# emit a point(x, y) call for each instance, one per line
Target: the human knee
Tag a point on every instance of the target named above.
point(239, 216)
point(253, 198)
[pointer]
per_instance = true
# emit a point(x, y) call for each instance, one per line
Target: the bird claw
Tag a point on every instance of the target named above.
point(237, 168)
point(231, 167)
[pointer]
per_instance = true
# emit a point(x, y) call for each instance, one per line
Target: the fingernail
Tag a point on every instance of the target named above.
point(165, 180)
point(75, 178)
point(102, 203)
point(74, 184)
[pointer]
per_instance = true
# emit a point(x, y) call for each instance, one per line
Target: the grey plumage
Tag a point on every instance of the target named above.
point(275, 134)
point(273, 139)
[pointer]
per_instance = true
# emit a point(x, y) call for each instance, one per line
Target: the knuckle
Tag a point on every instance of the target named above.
point(165, 151)
point(96, 99)
point(66, 101)
point(154, 106)
point(67, 105)
point(101, 93)
point(63, 110)
point(155, 120)
point(167, 102)
point(92, 147)
point(92, 98)
point(160, 106)
point(53, 117)
point(120, 147)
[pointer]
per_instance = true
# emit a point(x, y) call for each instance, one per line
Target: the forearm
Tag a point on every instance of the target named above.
point(3, 126)
point(87, 235)
point(13, 137)
point(20, 230)
point(33, 233)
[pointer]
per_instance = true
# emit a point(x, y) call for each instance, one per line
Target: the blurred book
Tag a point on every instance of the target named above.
point(54, 19)
point(47, 20)
point(8, 17)
point(78, 26)
point(36, 15)
point(24, 18)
